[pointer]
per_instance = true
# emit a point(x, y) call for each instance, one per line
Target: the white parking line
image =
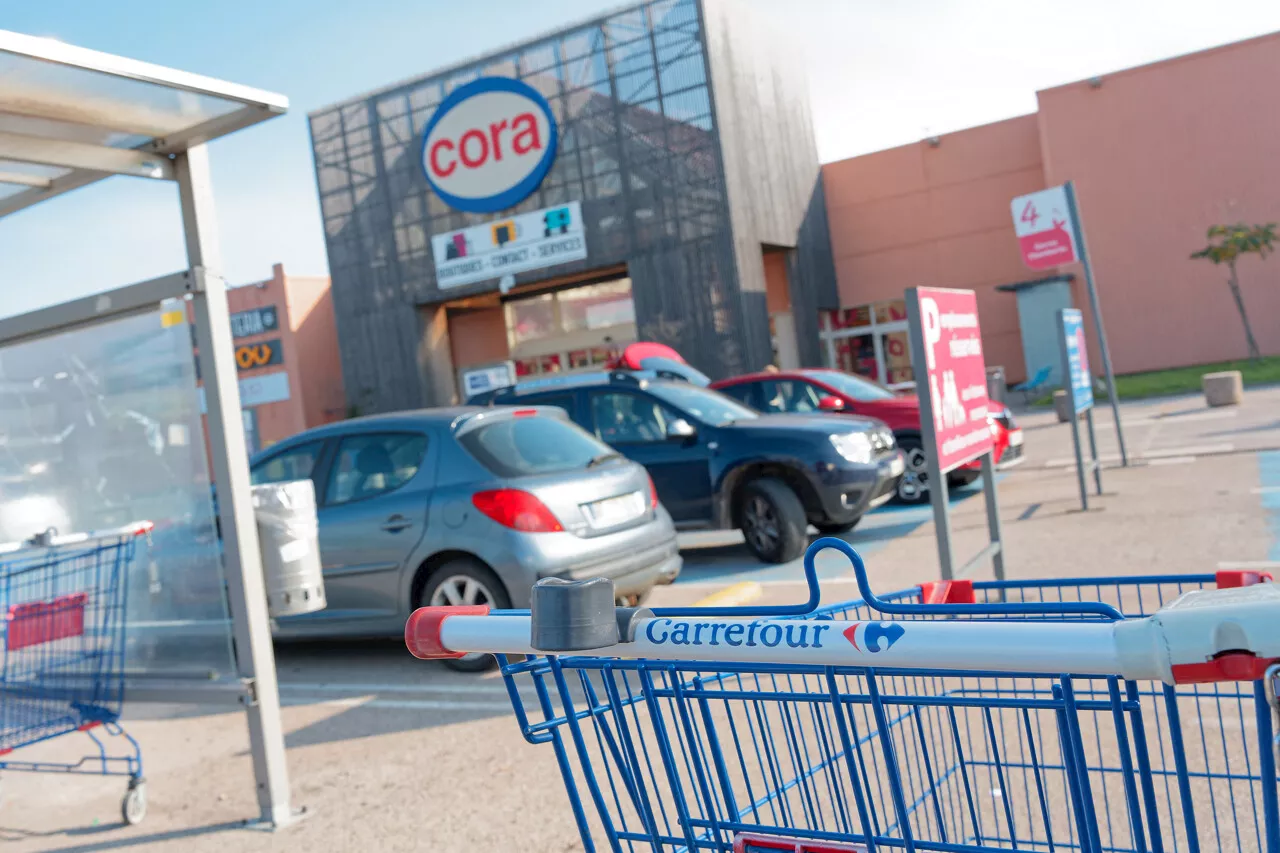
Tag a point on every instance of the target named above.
point(1195, 416)
point(1191, 450)
point(1161, 453)
point(1143, 420)
point(1172, 460)
point(362, 688)
point(398, 704)
point(1071, 462)
point(1250, 565)
point(403, 696)
point(1264, 490)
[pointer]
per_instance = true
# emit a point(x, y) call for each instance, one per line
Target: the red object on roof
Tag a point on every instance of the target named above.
point(633, 354)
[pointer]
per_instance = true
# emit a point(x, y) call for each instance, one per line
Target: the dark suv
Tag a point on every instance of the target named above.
point(716, 463)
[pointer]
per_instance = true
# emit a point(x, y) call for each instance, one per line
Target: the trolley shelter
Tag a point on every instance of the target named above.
point(100, 409)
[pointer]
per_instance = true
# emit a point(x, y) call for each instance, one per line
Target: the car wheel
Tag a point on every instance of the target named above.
point(963, 478)
point(831, 528)
point(913, 488)
point(773, 521)
point(465, 580)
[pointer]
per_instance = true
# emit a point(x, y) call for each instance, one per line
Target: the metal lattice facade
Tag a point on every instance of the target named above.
point(632, 97)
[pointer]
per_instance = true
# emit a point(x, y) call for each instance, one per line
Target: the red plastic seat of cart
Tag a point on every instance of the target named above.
point(37, 622)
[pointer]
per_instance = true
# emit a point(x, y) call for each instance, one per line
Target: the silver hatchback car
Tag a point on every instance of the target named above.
point(467, 506)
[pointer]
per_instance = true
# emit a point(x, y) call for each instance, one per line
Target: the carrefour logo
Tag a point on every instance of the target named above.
point(865, 637)
point(489, 145)
point(876, 636)
point(793, 635)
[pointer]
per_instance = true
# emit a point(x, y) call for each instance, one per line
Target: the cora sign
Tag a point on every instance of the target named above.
point(489, 145)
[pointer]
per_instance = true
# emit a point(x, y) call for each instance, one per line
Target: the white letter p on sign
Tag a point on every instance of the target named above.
point(931, 327)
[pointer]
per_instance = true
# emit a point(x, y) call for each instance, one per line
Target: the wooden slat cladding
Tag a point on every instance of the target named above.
point(771, 169)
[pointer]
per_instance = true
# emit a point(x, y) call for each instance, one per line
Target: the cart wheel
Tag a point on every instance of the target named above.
point(134, 807)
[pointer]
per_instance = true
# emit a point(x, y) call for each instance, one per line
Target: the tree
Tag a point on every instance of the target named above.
point(1227, 243)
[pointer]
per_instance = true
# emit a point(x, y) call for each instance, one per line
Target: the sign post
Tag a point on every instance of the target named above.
point(1075, 370)
point(1047, 224)
point(951, 383)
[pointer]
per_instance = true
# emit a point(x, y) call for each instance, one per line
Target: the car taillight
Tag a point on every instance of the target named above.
point(517, 509)
point(653, 494)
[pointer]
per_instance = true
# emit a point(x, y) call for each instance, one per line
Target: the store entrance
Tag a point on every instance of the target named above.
point(578, 328)
point(550, 327)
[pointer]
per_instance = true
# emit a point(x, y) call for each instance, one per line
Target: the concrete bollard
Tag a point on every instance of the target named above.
point(1223, 389)
point(1062, 405)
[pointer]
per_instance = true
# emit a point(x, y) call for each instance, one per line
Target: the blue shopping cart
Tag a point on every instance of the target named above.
point(1107, 714)
point(62, 647)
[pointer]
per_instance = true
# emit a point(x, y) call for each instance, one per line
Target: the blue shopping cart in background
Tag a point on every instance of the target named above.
point(62, 647)
point(685, 755)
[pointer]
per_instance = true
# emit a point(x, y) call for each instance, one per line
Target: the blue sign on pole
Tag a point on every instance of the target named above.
point(1077, 359)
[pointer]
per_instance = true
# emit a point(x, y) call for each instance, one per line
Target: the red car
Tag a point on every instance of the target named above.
point(818, 390)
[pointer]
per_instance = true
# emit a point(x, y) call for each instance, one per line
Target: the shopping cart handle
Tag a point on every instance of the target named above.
point(898, 608)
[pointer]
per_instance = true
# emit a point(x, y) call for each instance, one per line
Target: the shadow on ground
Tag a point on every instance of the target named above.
point(116, 843)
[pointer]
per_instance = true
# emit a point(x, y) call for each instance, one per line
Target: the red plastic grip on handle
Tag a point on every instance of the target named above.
point(1232, 578)
point(422, 630)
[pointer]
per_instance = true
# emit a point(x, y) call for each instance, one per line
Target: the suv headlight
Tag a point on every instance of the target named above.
point(853, 446)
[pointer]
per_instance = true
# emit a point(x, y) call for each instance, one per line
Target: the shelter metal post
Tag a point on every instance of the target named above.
point(255, 657)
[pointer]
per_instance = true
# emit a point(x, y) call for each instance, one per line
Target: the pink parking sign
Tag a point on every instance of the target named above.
point(1043, 224)
point(957, 374)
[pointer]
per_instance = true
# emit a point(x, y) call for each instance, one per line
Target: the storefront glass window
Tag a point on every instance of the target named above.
point(596, 306)
point(532, 318)
point(857, 354)
point(893, 311)
point(870, 340)
point(897, 359)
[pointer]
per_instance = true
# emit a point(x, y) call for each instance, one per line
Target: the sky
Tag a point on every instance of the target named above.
point(882, 73)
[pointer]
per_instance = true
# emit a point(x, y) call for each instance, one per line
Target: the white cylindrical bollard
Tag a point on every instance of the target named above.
point(289, 538)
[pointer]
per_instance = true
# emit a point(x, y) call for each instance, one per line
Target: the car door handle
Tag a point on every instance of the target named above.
point(396, 523)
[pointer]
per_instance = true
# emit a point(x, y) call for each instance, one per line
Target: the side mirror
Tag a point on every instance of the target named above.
point(830, 404)
point(681, 429)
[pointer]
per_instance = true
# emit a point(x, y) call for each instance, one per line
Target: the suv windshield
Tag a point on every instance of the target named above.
point(706, 405)
point(854, 387)
point(537, 444)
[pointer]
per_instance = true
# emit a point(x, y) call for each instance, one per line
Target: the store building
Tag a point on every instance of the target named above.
point(286, 349)
point(1157, 153)
point(649, 175)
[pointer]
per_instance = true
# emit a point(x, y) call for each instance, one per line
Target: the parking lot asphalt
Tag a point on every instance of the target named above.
point(390, 753)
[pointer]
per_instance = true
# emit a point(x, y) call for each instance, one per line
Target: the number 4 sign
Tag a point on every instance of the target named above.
point(1046, 234)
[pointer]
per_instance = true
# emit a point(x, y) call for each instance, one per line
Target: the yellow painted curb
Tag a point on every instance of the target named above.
point(732, 596)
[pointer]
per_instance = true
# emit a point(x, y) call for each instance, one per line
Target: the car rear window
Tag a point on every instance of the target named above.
point(531, 444)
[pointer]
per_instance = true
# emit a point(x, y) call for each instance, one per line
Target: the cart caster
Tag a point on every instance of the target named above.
point(134, 807)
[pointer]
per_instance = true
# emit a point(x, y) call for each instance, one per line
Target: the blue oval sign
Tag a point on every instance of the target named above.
point(489, 144)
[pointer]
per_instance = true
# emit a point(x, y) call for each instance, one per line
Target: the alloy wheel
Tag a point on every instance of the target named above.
point(915, 479)
point(460, 589)
point(760, 523)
